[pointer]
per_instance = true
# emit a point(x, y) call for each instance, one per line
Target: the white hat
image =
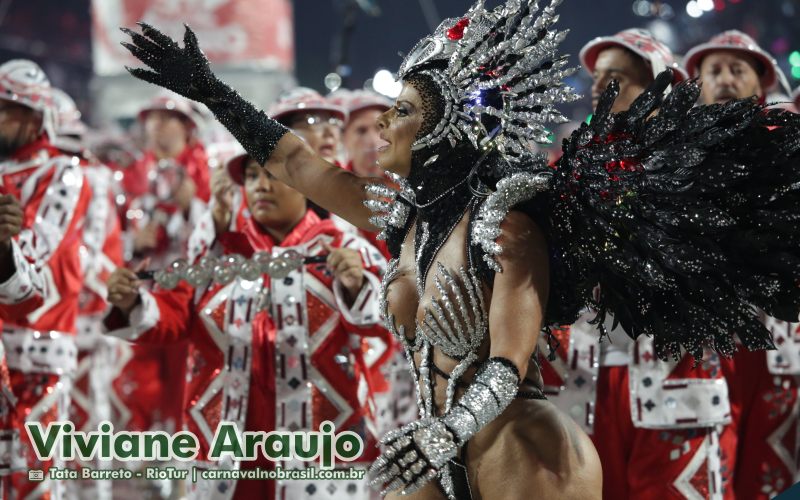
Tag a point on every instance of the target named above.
point(357, 100)
point(168, 101)
point(24, 82)
point(235, 166)
point(303, 99)
point(736, 40)
point(68, 116)
point(642, 43)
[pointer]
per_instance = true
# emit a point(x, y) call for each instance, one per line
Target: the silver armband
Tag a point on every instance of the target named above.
point(491, 391)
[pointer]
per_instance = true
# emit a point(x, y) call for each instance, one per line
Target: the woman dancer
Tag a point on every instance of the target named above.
point(667, 214)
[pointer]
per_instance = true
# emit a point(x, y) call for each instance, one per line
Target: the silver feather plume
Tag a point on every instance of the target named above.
point(501, 63)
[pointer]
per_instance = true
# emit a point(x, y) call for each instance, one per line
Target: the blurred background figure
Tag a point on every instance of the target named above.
point(166, 191)
point(100, 254)
point(395, 393)
point(40, 269)
point(70, 129)
point(313, 118)
point(361, 140)
point(168, 186)
point(361, 137)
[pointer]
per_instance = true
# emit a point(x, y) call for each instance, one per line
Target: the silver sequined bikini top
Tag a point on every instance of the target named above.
point(456, 322)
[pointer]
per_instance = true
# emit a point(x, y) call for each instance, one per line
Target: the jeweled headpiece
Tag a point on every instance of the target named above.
point(500, 75)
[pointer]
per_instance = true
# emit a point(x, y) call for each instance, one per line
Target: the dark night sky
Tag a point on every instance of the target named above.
point(376, 41)
point(56, 33)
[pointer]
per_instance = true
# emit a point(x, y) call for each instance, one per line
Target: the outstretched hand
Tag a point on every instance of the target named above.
point(186, 71)
point(183, 70)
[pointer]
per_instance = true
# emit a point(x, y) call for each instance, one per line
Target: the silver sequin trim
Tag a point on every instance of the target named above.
point(510, 191)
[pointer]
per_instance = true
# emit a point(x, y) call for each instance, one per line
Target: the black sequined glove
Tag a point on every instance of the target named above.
point(417, 452)
point(186, 71)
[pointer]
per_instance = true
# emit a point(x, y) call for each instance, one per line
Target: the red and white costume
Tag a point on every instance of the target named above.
point(98, 356)
point(148, 391)
point(39, 302)
point(766, 394)
point(270, 354)
point(39, 331)
point(662, 429)
point(101, 253)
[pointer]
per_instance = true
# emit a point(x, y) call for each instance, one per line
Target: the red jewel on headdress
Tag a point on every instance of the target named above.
point(457, 31)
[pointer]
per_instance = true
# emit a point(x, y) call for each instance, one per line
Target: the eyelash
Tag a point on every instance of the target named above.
point(402, 111)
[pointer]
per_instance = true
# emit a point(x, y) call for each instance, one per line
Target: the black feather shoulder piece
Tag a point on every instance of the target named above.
point(688, 217)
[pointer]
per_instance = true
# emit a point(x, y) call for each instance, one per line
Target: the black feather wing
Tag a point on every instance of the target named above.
point(687, 218)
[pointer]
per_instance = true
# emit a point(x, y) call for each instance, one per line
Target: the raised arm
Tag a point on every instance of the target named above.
point(330, 187)
point(186, 70)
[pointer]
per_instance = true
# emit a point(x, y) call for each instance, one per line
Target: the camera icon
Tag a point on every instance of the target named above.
point(35, 475)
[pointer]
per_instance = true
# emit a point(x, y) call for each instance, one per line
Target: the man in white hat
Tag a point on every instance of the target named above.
point(651, 443)
point(361, 140)
point(361, 135)
point(169, 127)
point(40, 271)
point(169, 186)
point(731, 65)
point(314, 118)
point(101, 253)
point(633, 58)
